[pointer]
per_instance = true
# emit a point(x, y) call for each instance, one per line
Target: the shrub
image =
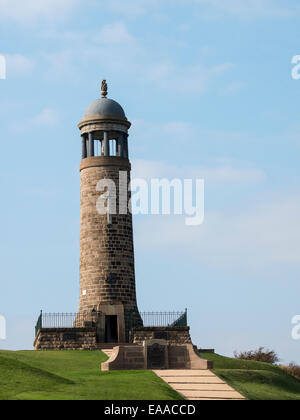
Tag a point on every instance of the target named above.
point(260, 355)
point(292, 369)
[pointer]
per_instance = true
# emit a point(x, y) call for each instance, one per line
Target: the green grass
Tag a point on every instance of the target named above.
point(74, 375)
point(255, 380)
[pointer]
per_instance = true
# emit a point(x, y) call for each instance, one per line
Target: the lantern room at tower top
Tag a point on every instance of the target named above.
point(104, 128)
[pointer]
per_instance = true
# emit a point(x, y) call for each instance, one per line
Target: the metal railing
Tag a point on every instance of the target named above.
point(164, 319)
point(67, 320)
point(85, 319)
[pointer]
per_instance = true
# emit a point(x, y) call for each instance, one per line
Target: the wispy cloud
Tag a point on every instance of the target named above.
point(29, 11)
point(245, 9)
point(233, 88)
point(36, 11)
point(46, 118)
point(133, 8)
point(19, 64)
point(189, 79)
point(113, 46)
point(113, 33)
point(215, 176)
point(262, 241)
point(248, 8)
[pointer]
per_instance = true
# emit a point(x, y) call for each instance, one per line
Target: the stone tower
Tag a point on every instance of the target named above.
point(107, 274)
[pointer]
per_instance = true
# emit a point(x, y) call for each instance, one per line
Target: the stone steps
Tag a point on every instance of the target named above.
point(198, 385)
point(108, 348)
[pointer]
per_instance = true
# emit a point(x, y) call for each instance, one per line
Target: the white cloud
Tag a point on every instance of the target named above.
point(133, 8)
point(113, 46)
point(209, 8)
point(28, 11)
point(191, 79)
point(262, 241)
point(214, 176)
point(18, 64)
point(46, 118)
point(108, 49)
point(222, 68)
point(114, 33)
point(178, 129)
point(233, 88)
point(60, 63)
point(247, 8)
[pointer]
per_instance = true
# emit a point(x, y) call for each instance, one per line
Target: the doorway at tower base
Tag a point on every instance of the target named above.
point(111, 326)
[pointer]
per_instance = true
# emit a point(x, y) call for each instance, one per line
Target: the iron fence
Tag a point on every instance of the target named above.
point(164, 319)
point(67, 320)
point(86, 319)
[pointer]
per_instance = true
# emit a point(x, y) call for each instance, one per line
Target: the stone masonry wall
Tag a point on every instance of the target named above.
point(176, 335)
point(66, 339)
point(107, 273)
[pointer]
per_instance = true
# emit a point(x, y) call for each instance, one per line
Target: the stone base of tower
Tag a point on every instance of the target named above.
point(151, 348)
point(66, 339)
point(181, 356)
point(70, 339)
point(174, 350)
point(95, 338)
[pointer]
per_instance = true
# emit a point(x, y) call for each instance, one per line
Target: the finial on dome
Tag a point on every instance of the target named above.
point(104, 89)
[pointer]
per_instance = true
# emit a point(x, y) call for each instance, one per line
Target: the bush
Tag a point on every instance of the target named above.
point(260, 355)
point(292, 369)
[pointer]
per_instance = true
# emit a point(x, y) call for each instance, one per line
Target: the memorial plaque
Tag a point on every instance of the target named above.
point(156, 356)
point(111, 279)
point(160, 335)
point(69, 337)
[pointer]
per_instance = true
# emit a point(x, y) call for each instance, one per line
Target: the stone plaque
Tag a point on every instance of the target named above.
point(111, 279)
point(69, 337)
point(160, 335)
point(156, 356)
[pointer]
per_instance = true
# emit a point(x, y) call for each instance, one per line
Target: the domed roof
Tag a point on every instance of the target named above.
point(104, 106)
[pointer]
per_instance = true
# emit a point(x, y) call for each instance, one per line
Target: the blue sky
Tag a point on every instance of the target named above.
point(207, 85)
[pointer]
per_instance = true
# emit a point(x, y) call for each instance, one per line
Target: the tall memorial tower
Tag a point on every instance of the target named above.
point(108, 316)
point(107, 273)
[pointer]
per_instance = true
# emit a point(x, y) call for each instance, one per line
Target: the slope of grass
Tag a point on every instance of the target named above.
point(17, 377)
point(74, 375)
point(255, 380)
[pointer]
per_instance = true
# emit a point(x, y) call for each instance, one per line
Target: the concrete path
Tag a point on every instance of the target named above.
point(198, 385)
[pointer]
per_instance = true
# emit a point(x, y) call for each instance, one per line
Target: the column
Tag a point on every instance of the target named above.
point(120, 145)
point(84, 148)
point(125, 146)
point(91, 150)
point(106, 143)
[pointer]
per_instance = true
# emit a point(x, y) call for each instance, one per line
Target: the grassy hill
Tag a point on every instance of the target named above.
point(255, 380)
point(74, 375)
